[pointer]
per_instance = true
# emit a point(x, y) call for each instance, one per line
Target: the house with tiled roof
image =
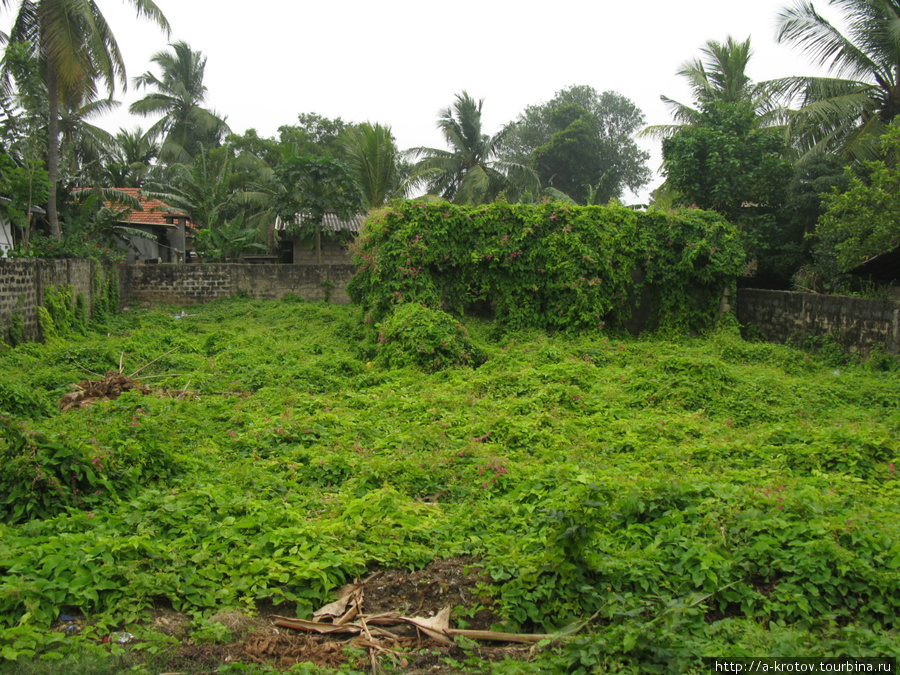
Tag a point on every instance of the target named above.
point(170, 227)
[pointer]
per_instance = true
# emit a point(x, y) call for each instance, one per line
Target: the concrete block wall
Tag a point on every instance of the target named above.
point(191, 284)
point(858, 324)
point(333, 253)
point(23, 282)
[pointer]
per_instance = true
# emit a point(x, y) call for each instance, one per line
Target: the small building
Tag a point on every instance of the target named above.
point(329, 248)
point(883, 268)
point(8, 234)
point(170, 227)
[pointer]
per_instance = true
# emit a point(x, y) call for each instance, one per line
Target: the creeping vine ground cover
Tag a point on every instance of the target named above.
point(658, 500)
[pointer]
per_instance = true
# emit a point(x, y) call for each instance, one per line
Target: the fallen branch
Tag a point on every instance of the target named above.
point(435, 627)
point(330, 629)
point(524, 638)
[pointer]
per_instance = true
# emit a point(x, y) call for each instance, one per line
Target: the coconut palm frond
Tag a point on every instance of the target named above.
point(845, 112)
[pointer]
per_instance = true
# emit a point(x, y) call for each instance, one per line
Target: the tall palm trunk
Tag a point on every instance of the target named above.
point(53, 150)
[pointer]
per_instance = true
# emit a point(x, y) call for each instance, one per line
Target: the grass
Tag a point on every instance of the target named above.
point(659, 500)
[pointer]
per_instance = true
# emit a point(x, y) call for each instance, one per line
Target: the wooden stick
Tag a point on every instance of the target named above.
point(373, 659)
point(435, 633)
point(91, 372)
point(424, 591)
point(183, 391)
point(526, 638)
point(152, 362)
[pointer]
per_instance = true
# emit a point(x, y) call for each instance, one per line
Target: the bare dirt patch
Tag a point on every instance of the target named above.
point(454, 583)
point(451, 583)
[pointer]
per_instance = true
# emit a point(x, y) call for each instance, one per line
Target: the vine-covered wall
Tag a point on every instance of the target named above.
point(548, 265)
point(25, 282)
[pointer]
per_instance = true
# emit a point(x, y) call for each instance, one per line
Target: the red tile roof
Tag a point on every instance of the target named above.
point(154, 210)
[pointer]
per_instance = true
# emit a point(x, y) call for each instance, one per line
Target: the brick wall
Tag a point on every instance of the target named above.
point(858, 324)
point(24, 280)
point(191, 284)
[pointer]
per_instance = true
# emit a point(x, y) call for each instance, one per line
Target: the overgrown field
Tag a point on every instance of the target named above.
point(656, 500)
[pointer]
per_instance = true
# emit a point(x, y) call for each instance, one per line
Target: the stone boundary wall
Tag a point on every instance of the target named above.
point(195, 283)
point(24, 280)
point(858, 324)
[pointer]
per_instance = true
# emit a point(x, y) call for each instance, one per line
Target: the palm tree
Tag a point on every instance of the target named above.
point(76, 48)
point(721, 75)
point(470, 172)
point(185, 125)
point(130, 158)
point(371, 155)
point(203, 189)
point(849, 111)
point(82, 145)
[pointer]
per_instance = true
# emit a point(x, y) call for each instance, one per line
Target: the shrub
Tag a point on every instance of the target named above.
point(415, 335)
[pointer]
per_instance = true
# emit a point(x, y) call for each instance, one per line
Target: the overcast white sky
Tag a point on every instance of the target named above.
point(399, 62)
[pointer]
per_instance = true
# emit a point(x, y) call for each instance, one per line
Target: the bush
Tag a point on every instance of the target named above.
point(415, 335)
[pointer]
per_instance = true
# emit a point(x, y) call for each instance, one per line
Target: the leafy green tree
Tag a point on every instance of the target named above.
point(25, 180)
point(864, 220)
point(23, 101)
point(308, 187)
point(789, 249)
point(228, 242)
point(76, 49)
point(202, 189)
point(251, 144)
point(580, 143)
point(850, 110)
point(725, 163)
point(185, 125)
point(471, 171)
point(312, 135)
point(83, 144)
point(24, 186)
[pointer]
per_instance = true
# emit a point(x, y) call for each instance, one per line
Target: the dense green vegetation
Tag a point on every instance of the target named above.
point(660, 499)
point(553, 265)
point(763, 154)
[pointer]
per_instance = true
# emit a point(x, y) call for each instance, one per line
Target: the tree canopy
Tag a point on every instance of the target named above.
point(720, 75)
point(580, 140)
point(185, 125)
point(864, 220)
point(849, 110)
point(76, 49)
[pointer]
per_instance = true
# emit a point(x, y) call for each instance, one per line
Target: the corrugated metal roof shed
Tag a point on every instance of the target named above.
point(331, 222)
point(882, 267)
